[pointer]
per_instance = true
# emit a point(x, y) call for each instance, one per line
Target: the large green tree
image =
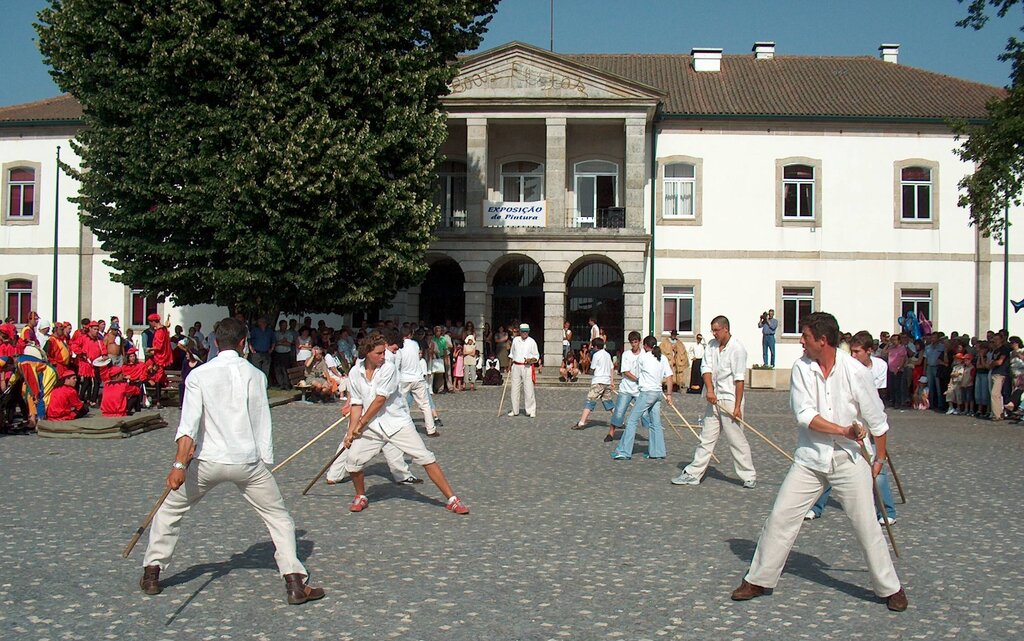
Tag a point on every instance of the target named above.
point(265, 155)
point(997, 147)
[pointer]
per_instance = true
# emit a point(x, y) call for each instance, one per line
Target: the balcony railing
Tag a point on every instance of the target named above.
point(452, 220)
point(603, 218)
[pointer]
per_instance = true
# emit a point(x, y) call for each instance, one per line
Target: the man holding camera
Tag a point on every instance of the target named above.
point(768, 325)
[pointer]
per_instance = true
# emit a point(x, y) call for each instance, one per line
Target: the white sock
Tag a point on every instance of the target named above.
point(452, 499)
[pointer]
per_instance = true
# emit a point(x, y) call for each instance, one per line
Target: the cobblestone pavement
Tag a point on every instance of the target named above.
point(562, 542)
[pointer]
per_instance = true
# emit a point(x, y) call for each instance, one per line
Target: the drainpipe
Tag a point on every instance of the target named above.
point(654, 216)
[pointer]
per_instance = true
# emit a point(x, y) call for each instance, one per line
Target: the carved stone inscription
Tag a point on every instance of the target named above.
point(520, 76)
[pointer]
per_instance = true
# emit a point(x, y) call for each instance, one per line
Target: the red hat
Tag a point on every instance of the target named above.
point(93, 324)
point(153, 317)
point(8, 330)
point(132, 350)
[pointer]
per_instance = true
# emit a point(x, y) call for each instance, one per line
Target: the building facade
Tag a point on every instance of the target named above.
point(650, 192)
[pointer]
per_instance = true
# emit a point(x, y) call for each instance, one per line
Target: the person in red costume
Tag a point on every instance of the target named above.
point(57, 350)
point(119, 397)
point(88, 348)
point(161, 349)
point(64, 402)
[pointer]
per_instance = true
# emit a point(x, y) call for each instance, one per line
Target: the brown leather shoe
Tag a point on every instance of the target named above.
point(747, 591)
point(897, 602)
point(150, 581)
point(299, 592)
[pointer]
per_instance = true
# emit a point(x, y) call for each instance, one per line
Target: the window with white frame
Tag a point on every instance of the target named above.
point(522, 181)
point(21, 193)
point(142, 307)
point(918, 301)
point(677, 309)
point(916, 193)
point(596, 191)
point(451, 193)
point(19, 300)
point(797, 302)
point(680, 190)
point(798, 192)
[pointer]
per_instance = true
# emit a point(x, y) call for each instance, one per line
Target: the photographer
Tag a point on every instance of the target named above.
point(768, 325)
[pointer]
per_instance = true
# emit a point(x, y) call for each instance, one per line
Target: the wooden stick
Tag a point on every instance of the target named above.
point(895, 477)
point(881, 503)
point(145, 524)
point(504, 388)
point(695, 434)
point(752, 429)
point(323, 470)
point(303, 448)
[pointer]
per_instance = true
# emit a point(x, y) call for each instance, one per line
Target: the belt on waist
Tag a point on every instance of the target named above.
point(517, 363)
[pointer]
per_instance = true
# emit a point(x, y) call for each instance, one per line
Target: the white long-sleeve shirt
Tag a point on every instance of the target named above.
point(726, 366)
point(409, 362)
point(226, 412)
point(847, 395)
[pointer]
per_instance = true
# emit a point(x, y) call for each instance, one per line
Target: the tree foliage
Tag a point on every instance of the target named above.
point(264, 155)
point(997, 147)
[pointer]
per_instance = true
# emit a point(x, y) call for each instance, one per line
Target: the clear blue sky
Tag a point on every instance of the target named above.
point(925, 28)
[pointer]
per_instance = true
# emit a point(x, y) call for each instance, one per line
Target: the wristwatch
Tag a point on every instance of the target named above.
point(177, 465)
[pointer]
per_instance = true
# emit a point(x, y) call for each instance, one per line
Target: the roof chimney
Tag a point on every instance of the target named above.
point(764, 50)
point(890, 53)
point(706, 58)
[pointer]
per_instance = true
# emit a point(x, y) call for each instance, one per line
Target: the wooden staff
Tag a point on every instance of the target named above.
point(323, 470)
point(695, 434)
point(752, 429)
point(315, 439)
point(145, 524)
point(152, 513)
point(895, 477)
point(881, 503)
point(504, 388)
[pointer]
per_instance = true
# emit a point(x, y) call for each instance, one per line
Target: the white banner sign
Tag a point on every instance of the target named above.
point(499, 214)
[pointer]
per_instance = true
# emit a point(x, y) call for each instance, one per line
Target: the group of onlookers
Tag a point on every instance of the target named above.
point(955, 374)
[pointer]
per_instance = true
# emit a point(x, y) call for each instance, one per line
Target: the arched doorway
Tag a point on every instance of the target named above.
point(519, 296)
point(595, 289)
point(443, 293)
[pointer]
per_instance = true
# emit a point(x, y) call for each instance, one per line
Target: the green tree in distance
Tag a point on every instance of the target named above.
point(264, 155)
point(997, 147)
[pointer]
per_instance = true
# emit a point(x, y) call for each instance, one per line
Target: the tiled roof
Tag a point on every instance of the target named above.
point(800, 86)
point(61, 108)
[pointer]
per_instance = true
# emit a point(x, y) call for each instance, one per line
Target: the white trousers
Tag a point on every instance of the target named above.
point(852, 485)
point(394, 457)
point(258, 487)
point(419, 392)
point(721, 421)
point(522, 383)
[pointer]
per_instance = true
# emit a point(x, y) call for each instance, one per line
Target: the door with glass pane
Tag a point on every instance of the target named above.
point(596, 192)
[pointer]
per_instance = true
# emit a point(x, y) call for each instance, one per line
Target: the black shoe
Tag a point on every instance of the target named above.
point(438, 423)
point(608, 438)
point(412, 480)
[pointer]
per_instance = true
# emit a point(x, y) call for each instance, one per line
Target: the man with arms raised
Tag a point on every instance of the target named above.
point(833, 396)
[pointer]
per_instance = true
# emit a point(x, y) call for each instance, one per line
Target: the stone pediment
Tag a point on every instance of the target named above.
point(517, 71)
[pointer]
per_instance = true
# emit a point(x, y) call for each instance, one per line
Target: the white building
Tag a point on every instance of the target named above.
point(651, 191)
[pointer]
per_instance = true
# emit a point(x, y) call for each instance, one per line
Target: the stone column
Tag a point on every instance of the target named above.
point(476, 297)
point(554, 313)
point(476, 170)
point(636, 172)
point(633, 292)
point(412, 304)
point(554, 174)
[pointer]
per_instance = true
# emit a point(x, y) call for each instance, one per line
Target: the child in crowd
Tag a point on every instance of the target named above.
point(459, 368)
point(967, 386)
point(492, 371)
point(119, 398)
point(64, 402)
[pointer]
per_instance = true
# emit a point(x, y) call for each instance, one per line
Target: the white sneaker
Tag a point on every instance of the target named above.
point(513, 413)
point(685, 479)
point(950, 411)
point(750, 484)
point(532, 415)
point(881, 521)
point(810, 516)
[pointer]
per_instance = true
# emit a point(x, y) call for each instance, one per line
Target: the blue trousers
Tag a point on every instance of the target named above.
point(768, 344)
point(648, 405)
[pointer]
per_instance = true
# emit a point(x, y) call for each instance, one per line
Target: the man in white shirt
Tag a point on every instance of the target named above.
point(524, 356)
point(628, 387)
point(600, 384)
point(833, 397)
point(225, 426)
point(595, 331)
point(380, 417)
point(410, 378)
point(724, 368)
